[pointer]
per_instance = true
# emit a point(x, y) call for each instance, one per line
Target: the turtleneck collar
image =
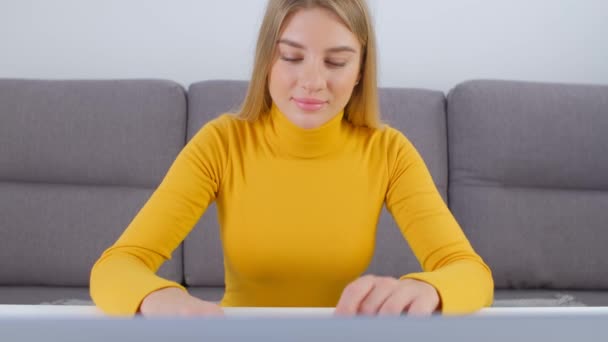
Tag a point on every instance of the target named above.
point(306, 143)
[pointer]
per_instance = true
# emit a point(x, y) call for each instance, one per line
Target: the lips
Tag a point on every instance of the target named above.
point(309, 104)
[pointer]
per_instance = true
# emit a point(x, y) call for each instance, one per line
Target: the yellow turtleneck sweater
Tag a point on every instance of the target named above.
point(298, 211)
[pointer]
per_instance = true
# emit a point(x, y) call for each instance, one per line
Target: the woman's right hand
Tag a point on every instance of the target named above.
point(173, 301)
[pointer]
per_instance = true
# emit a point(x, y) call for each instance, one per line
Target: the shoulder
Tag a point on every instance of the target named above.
point(393, 146)
point(386, 137)
point(396, 139)
point(224, 123)
point(223, 127)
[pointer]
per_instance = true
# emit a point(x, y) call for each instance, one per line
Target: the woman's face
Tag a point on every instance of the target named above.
point(316, 67)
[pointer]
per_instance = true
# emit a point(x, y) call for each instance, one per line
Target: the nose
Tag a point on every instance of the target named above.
point(312, 78)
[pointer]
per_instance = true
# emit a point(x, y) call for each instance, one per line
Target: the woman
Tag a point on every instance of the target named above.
point(300, 175)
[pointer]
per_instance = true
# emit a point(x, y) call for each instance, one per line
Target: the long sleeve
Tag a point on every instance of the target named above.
point(126, 272)
point(449, 263)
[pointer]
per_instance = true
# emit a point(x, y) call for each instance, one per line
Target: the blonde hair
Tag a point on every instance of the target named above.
point(362, 109)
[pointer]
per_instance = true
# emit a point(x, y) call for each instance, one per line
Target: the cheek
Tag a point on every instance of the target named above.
point(342, 84)
point(281, 75)
point(344, 77)
point(276, 85)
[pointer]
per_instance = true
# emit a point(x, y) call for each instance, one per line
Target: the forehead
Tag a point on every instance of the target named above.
point(317, 28)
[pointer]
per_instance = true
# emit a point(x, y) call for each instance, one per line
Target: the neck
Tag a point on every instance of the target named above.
point(306, 143)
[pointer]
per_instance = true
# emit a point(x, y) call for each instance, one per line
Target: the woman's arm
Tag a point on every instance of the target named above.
point(125, 273)
point(462, 279)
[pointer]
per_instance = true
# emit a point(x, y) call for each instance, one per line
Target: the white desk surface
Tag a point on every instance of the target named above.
point(83, 311)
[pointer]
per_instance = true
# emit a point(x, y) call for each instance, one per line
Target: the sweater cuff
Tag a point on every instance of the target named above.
point(456, 296)
point(130, 303)
point(162, 284)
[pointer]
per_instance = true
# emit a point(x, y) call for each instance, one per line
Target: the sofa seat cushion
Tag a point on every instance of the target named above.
point(513, 298)
point(45, 295)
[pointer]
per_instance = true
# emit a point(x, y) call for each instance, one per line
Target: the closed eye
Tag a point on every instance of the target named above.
point(330, 63)
point(335, 64)
point(291, 59)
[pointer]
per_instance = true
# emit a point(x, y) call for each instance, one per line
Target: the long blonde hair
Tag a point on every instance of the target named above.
point(362, 109)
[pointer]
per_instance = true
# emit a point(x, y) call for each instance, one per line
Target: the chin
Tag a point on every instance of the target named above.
point(306, 120)
point(308, 124)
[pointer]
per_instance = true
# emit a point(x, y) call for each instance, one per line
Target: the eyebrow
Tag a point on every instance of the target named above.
point(333, 49)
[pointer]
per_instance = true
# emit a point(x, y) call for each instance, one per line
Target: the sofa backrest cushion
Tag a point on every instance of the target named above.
point(78, 158)
point(528, 180)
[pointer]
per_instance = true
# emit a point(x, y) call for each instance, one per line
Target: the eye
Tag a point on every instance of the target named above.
point(289, 59)
point(335, 64)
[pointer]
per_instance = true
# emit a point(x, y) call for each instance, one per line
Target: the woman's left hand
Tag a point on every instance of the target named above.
point(372, 295)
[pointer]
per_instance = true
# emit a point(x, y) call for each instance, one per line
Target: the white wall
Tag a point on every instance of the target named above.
point(426, 44)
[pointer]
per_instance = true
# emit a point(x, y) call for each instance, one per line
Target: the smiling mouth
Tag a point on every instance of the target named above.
point(309, 105)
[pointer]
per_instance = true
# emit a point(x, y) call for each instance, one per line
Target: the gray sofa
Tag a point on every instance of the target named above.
point(523, 166)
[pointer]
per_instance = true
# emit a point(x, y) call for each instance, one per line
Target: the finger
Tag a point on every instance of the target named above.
point(353, 295)
point(214, 309)
point(199, 311)
point(398, 302)
point(200, 308)
point(422, 306)
point(382, 290)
